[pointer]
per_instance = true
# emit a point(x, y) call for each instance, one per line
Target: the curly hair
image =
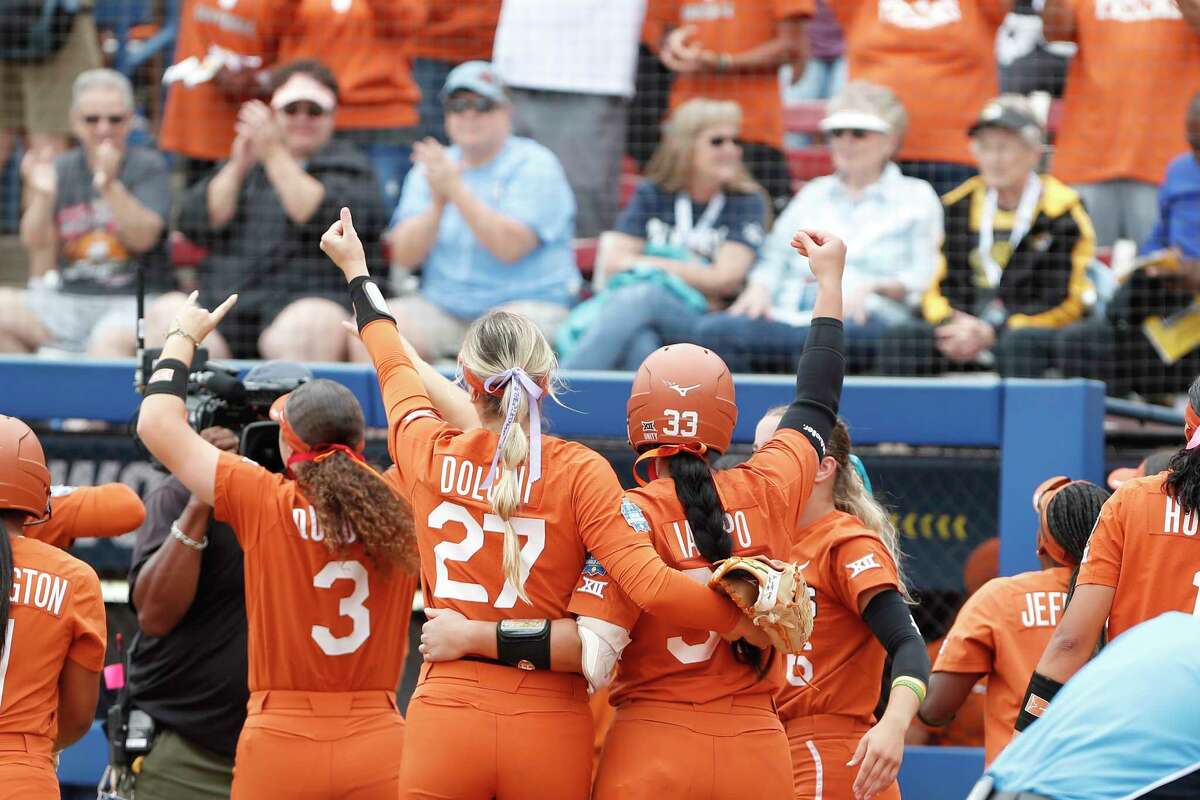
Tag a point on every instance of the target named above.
point(353, 503)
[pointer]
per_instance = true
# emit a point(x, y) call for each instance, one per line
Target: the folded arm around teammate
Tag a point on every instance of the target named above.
point(629, 557)
point(77, 512)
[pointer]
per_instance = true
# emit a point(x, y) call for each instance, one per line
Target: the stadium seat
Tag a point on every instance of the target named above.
point(585, 256)
point(804, 117)
point(185, 252)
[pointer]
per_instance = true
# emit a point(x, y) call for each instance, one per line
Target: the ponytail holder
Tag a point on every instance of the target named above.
point(494, 386)
point(1191, 428)
point(666, 451)
point(861, 469)
point(322, 453)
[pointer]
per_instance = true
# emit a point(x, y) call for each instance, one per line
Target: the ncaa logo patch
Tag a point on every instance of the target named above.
point(634, 516)
point(593, 567)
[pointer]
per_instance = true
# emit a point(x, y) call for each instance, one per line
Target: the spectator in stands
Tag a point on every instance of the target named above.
point(682, 246)
point(37, 76)
point(454, 33)
point(262, 214)
point(892, 226)
point(1113, 347)
point(1014, 261)
point(825, 72)
point(198, 123)
point(733, 51)
point(569, 69)
point(939, 58)
point(488, 220)
point(1137, 67)
point(97, 215)
point(363, 42)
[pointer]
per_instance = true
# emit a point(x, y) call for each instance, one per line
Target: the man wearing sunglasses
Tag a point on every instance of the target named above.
point(489, 220)
point(261, 214)
point(96, 215)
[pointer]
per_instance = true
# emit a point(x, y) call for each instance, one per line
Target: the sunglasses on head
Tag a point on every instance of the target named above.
point(457, 105)
point(307, 107)
point(857, 133)
point(113, 119)
point(721, 141)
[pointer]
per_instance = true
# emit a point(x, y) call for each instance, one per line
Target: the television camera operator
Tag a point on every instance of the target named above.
point(187, 689)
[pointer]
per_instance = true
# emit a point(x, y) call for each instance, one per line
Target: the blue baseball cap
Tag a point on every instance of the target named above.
point(475, 76)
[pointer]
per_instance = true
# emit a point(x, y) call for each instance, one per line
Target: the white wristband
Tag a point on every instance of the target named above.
point(178, 533)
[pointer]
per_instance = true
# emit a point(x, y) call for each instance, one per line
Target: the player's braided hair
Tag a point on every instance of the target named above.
point(495, 343)
point(351, 503)
point(1183, 482)
point(697, 494)
point(1071, 517)
point(6, 574)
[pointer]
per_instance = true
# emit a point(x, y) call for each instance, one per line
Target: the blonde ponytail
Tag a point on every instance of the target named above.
point(506, 493)
point(506, 349)
point(850, 495)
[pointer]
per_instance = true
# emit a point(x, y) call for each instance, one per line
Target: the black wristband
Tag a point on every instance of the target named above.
point(169, 376)
point(1037, 698)
point(523, 643)
point(818, 383)
point(369, 304)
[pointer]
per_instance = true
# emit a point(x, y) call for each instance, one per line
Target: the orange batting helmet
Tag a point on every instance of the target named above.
point(682, 400)
point(24, 478)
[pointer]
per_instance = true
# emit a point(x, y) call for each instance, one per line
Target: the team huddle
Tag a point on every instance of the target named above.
point(546, 584)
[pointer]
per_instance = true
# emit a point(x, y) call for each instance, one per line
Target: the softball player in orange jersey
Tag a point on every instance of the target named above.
point(52, 629)
point(1143, 559)
point(330, 566)
point(1001, 631)
point(104, 511)
point(848, 551)
point(504, 517)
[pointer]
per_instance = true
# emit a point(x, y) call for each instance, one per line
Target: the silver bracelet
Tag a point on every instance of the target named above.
point(178, 533)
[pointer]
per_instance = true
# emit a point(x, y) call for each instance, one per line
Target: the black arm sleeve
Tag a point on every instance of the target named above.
point(818, 383)
point(889, 619)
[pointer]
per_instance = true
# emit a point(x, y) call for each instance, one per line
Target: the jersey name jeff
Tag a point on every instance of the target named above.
point(1042, 609)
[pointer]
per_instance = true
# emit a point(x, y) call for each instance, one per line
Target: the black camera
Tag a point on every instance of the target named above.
point(217, 397)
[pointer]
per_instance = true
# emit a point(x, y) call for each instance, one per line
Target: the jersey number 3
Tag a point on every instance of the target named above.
point(349, 606)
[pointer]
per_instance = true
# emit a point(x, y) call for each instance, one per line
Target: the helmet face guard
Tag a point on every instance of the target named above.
point(682, 400)
point(24, 477)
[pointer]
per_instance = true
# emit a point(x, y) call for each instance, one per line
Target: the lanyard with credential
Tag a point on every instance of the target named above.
point(1021, 224)
point(682, 236)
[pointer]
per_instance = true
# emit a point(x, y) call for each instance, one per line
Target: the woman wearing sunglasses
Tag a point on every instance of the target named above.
point(682, 246)
point(891, 224)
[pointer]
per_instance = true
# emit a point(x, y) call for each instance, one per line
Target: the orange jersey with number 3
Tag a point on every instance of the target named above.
point(1000, 633)
point(77, 512)
point(56, 613)
point(670, 663)
point(574, 508)
point(841, 669)
point(1147, 548)
point(319, 620)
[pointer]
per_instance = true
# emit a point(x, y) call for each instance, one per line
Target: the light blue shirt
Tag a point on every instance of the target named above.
point(1127, 722)
point(524, 181)
point(892, 231)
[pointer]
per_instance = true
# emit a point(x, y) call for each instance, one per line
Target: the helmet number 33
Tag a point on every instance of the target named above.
point(681, 423)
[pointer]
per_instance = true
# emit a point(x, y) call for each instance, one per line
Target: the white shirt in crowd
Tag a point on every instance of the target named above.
point(893, 232)
point(578, 46)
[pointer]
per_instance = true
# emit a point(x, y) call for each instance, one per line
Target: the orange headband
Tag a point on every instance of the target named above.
point(666, 451)
point(1042, 496)
point(301, 450)
point(1191, 428)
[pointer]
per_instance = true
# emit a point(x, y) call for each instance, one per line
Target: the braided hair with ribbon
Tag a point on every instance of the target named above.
point(1183, 482)
point(509, 367)
point(322, 430)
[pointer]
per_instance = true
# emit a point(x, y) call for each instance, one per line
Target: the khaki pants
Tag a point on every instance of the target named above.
point(176, 769)
point(37, 97)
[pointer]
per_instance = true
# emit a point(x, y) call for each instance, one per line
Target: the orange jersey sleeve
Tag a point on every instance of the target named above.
point(596, 596)
point(789, 462)
point(78, 512)
point(860, 565)
point(56, 613)
point(242, 493)
point(1102, 557)
point(970, 645)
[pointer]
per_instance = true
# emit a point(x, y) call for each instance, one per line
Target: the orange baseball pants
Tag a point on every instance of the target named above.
point(27, 768)
point(732, 748)
point(319, 746)
point(478, 730)
point(821, 745)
